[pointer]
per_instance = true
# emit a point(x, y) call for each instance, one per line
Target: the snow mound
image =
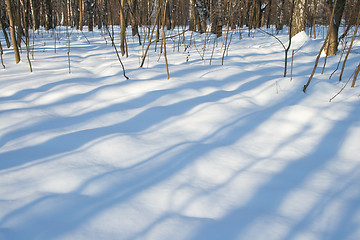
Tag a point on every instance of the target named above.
point(299, 40)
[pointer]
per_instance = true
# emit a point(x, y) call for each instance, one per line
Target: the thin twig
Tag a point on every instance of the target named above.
point(117, 53)
point(342, 87)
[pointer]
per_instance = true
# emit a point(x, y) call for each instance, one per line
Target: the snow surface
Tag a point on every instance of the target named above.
point(233, 151)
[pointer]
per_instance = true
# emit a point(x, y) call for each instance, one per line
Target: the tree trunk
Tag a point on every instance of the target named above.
point(12, 30)
point(69, 9)
point(197, 21)
point(216, 20)
point(90, 15)
point(192, 15)
point(105, 15)
point(123, 27)
point(48, 15)
point(134, 24)
point(332, 42)
point(2, 23)
point(280, 15)
point(298, 19)
point(1, 55)
point(35, 14)
point(81, 14)
point(200, 14)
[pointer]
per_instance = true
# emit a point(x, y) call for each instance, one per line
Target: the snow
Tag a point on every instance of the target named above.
point(299, 40)
point(233, 151)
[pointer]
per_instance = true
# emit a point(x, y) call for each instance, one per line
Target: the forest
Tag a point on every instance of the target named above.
point(20, 18)
point(179, 119)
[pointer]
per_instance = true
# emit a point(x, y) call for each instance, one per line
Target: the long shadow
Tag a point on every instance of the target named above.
point(44, 88)
point(346, 219)
point(69, 99)
point(138, 123)
point(224, 136)
point(51, 85)
point(348, 226)
point(235, 224)
point(76, 208)
point(143, 100)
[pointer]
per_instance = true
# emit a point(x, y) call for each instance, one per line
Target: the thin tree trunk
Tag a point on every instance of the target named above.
point(69, 13)
point(17, 15)
point(81, 14)
point(26, 30)
point(150, 39)
point(123, 27)
point(355, 76)
point(12, 30)
point(117, 53)
point(8, 44)
point(68, 47)
point(164, 41)
point(350, 47)
point(1, 55)
point(321, 49)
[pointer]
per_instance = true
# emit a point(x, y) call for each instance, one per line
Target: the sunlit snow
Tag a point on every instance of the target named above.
point(233, 151)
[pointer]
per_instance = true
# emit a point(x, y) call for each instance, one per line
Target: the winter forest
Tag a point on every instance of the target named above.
point(179, 119)
point(202, 16)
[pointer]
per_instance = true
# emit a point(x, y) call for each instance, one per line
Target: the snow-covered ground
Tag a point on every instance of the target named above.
point(233, 151)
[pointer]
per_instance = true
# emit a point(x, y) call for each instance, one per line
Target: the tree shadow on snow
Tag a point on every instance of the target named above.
point(239, 223)
point(69, 211)
point(56, 215)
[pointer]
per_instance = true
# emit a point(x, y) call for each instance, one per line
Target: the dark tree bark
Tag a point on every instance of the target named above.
point(48, 15)
point(3, 25)
point(332, 42)
point(216, 19)
point(35, 14)
point(1, 55)
point(280, 15)
point(90, 14)
point(134, 22)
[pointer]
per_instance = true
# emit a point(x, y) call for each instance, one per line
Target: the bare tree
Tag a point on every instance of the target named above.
point(90, 14)
point(10, 11)
point(298, 17)
point(48, 14)
point(35, 14)
point(3, 24)
point(332, 41)
point(321, 49)
point(123, 27)
point(216, 9)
